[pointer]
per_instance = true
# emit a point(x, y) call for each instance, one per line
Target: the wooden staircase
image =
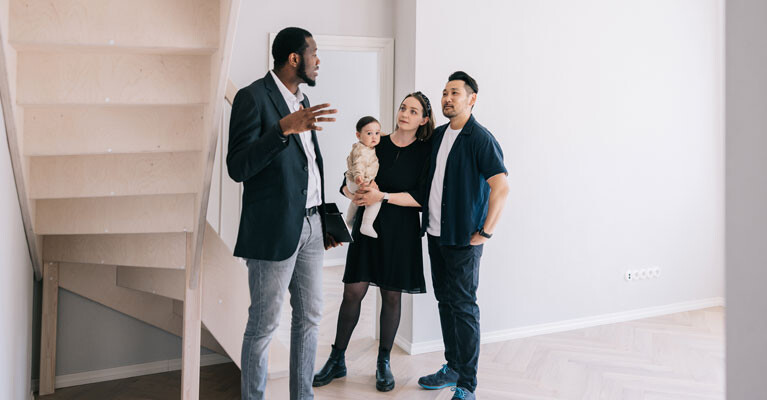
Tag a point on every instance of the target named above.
point(113, 109)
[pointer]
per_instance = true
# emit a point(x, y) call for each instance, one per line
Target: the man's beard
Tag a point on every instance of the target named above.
point(302, 73)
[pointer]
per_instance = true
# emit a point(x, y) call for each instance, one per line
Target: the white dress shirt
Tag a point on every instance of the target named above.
point(313, 197)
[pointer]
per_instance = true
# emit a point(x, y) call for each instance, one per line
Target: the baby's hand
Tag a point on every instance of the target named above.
point(358, 180)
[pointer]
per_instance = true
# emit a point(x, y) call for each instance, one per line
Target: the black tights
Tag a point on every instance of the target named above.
point(350, 314)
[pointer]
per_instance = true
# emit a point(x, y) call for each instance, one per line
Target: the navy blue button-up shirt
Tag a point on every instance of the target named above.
point(474, 158)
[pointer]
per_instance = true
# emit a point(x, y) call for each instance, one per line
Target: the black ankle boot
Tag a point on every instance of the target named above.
point(384, 376)
point(334, 368)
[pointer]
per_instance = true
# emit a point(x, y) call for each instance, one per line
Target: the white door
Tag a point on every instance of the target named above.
point(348, 80)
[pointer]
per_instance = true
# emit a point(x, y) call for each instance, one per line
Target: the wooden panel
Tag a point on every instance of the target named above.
point(178, 307)
point(110, 49)
point(159, 250)
point(64, 129)
point(13, 129)
point(135, 214)
point(48, 328)
point(231, 91)
point(226, 296)
point(214, 201)
point(55, 177)
point(190, 348)
point(219, 73)
point(159, 281)
point(171, 23)
point(98, 283)
point(85, 78)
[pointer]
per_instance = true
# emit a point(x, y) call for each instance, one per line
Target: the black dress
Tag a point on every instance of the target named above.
point(394, 260)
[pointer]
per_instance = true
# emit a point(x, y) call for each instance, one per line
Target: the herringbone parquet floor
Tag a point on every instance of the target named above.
point(674, 357)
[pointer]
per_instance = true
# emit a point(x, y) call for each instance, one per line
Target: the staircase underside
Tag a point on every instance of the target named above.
point(112, 110)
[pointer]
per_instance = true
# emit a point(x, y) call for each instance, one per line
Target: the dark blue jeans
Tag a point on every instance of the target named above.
point(455, 274)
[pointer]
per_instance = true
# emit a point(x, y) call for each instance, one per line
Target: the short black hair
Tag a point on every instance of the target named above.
point(288, 41)
point(364, 121)
point(471, 84)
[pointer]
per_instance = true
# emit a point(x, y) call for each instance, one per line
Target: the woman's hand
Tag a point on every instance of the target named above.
point(367, 194)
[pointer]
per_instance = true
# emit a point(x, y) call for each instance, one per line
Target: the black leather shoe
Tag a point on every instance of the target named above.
point(384, 376)
point(334, 368)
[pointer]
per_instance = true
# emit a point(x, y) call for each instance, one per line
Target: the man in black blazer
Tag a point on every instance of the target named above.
point(273, 150)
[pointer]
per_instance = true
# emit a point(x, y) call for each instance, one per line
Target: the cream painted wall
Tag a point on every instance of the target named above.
point(610, 115)
point(15, 288)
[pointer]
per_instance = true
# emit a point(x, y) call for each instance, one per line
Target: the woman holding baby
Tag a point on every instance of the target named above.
point(387, 252)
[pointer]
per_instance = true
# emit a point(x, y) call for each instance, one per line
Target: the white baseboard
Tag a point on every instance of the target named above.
point(405, 344)
point(128, 371)
point(566, 325)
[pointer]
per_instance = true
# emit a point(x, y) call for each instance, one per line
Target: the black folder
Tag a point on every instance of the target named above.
point(335, 225)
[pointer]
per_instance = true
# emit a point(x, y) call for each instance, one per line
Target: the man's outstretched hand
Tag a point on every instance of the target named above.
point(306, 119)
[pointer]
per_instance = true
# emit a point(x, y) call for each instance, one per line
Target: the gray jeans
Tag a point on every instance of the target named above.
point(301, 274)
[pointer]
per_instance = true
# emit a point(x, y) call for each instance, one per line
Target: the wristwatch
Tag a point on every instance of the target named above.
point(385, 198)
point(484, 234)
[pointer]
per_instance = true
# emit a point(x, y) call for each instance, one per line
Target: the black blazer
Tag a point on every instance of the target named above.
point(274, 171)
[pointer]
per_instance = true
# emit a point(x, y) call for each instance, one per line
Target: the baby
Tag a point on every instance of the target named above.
point(362, 165)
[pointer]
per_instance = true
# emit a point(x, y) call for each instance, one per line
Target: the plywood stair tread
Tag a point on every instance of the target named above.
point(171, 23)
point(67, 129)
point(106, 48)
point(119, 214)
point(158, 281)
point(96, 78)
point(149, 250)
point(56, 177)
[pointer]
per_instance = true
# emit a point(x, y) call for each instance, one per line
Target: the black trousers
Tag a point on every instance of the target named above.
point(455, 274)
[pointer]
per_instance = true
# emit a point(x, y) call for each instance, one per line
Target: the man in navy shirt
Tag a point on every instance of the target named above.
point(464, 202)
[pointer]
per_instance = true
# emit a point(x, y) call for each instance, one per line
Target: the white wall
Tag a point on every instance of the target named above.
point(746, 198)
point(330, 17)
point(15, 287)
point(610, 117)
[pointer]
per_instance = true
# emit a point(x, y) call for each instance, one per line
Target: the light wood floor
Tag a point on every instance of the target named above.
point(673, 357)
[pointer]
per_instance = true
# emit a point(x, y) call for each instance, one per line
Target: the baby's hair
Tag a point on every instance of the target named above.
point(364, 121)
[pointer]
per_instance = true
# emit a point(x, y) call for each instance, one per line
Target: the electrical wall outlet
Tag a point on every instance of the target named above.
point(641, 274)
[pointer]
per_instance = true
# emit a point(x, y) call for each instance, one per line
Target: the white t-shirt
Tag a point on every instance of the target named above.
point(313, 197)
point(437, 183)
